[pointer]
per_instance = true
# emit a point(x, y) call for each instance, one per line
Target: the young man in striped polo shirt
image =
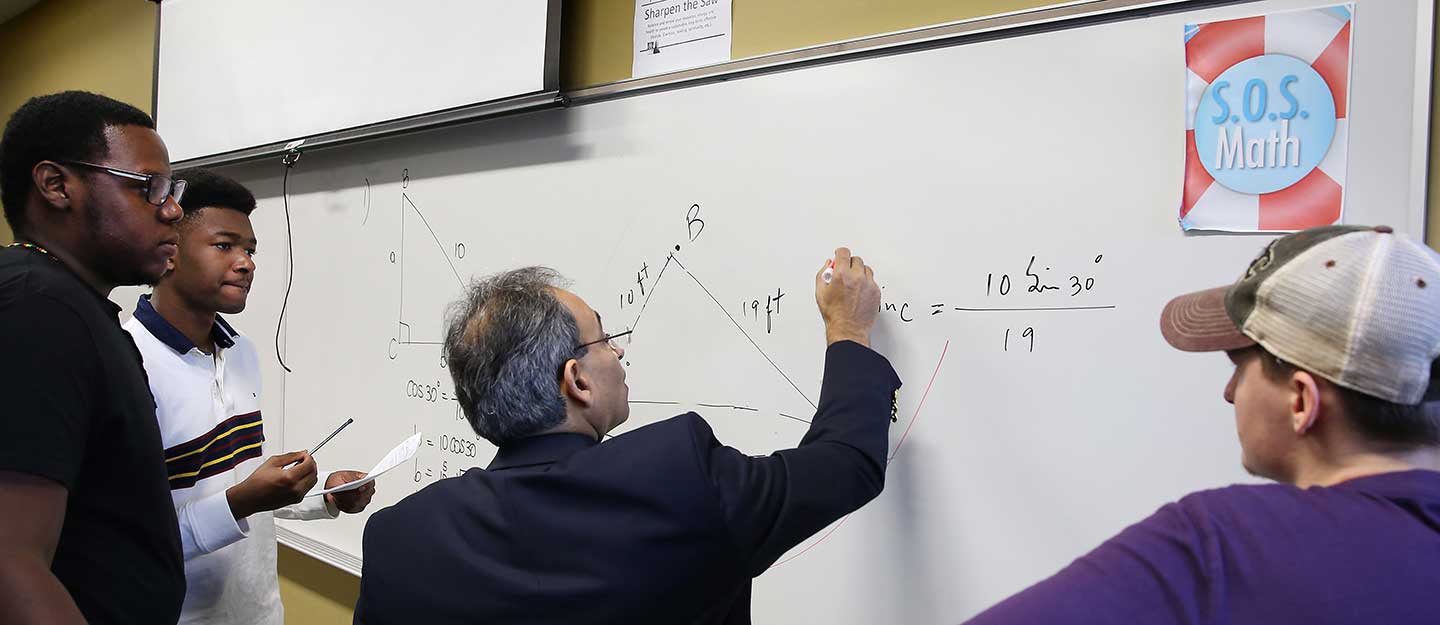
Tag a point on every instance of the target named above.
point(205, 377)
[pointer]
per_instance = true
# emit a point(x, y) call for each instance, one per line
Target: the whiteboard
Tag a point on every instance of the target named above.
point(235, 75)
point(1025, 437)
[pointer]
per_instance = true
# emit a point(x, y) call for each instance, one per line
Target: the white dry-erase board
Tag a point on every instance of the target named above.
point(235, 77)
point(1032, 425)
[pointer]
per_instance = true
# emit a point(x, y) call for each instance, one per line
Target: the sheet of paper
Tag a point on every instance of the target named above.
point(397, 456)
point(672, 35)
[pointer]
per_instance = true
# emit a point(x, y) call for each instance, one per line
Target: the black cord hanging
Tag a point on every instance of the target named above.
point(290, 159)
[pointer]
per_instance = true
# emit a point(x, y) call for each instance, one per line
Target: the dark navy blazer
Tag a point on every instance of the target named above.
point(663, 524)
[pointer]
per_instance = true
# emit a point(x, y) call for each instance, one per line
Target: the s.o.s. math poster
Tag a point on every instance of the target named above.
point(1266, 131)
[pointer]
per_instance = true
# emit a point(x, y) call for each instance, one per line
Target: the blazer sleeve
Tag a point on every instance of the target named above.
point(772, 503)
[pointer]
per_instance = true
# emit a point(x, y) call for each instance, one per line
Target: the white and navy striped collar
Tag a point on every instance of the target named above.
point(221, 333)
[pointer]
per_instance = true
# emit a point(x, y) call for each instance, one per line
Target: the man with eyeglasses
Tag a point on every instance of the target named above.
point(87, 530)
point(662, 524)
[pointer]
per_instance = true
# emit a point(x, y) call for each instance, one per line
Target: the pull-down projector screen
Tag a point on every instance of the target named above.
point(239, 75)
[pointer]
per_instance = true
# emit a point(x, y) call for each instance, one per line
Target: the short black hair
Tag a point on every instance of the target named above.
point(1405, 426)
point(205, 189)
point(63, 126)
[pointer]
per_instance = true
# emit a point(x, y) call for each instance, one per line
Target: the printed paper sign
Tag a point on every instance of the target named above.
point(672, 35)
point(1266, 129)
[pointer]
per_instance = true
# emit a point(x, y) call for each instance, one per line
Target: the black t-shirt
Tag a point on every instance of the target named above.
point(75, 408)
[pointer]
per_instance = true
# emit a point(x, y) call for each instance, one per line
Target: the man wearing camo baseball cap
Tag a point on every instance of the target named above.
point(1334, 333)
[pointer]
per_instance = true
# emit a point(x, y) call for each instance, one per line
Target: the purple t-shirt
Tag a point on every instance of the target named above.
point(1365, 551)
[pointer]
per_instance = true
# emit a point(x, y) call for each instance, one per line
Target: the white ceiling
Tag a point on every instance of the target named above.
point(11, 8)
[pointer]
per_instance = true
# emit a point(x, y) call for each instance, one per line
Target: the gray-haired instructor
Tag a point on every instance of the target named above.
point(663, 524)
point(1334, 334)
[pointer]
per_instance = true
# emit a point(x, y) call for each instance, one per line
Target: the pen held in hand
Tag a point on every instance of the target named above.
point(332, 435)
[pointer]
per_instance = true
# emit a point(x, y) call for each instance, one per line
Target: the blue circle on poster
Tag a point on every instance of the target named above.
point(1264, 124)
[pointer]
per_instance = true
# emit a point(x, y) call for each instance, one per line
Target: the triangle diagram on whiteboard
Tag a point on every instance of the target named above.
point(429, 277)
point(689, 353)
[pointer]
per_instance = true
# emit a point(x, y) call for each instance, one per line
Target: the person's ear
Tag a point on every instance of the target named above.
point(1304, 402)
point(575, 384)
point(169, 268)
point(53, 184)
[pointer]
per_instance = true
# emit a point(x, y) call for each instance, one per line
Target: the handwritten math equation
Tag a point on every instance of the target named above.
point(1032, 283)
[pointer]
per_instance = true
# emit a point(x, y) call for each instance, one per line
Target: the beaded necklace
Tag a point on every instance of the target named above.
point(32, 246)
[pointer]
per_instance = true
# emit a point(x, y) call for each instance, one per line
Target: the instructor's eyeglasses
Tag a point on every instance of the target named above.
point(614, 340)
point(158, 187)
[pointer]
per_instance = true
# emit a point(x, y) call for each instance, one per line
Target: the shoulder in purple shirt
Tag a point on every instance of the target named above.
point(1365, 551)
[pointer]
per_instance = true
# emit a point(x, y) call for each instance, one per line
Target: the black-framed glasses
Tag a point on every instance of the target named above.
point(158, 187)
point(620, 339)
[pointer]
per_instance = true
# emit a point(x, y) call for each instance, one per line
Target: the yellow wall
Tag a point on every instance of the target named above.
point(594, 42)
point(105, 46)
point(598, 35)
point(315, 593)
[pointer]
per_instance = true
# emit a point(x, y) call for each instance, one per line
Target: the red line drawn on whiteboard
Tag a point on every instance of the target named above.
point(913, 419)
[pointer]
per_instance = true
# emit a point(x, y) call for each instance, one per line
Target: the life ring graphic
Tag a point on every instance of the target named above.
point(1266, 121)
